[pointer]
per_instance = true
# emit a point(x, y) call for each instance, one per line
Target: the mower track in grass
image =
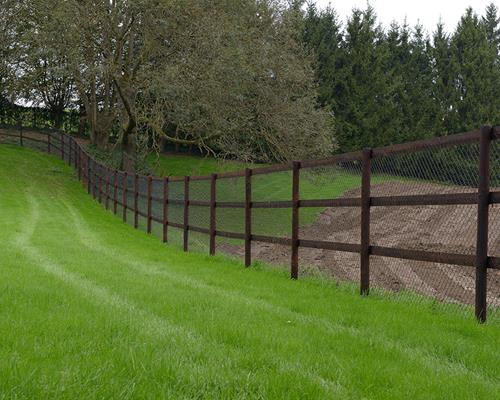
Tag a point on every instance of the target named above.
point(90, 308)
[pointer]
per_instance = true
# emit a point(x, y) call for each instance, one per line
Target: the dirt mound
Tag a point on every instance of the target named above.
point(433, 228)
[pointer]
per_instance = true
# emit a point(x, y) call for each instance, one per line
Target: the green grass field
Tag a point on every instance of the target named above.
point(325, 183)
point(92, 309)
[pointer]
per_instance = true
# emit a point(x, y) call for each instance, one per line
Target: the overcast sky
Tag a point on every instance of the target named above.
point(427, 12)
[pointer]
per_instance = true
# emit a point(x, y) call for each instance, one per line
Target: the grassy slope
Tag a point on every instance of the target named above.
point(90, 308)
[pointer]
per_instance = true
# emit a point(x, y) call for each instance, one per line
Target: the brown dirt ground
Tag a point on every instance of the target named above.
point(434, 228)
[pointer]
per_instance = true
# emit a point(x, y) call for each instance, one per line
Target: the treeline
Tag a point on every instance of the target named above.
point(40, 118)
point(254, 80)
point(231, 78)
point(401, 83)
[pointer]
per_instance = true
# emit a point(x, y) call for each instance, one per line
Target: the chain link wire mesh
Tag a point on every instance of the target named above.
point(439, 228)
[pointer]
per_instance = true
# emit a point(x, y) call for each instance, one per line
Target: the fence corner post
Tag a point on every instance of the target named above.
point(248, 217)
point(186, 213)
point(294, 267)
point(483, 202)
point(365, 222)
point(213, 199)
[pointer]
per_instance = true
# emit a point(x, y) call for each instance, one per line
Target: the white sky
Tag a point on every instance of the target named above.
point(427, 12)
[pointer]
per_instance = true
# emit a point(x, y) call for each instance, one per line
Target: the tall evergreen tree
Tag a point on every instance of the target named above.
point(477, 78)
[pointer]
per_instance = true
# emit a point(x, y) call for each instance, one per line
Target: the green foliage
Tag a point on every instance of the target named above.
point(113, 158)
point(399, 85)
point(36, 117)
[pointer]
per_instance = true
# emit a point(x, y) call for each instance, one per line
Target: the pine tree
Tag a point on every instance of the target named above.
point(477, 76)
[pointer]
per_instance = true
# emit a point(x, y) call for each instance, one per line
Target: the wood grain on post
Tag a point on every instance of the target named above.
point(165, 209)
point(248, 217)
point(115, 191)
point(136, 200)
point(213, 210)
point(107, 170)
point(94, 178)
point(365, 222)
point(62, 145)
point(150, 200)
point(186, 212)
point(124, 197)
point(100, 184)
point(481, 263)
point(89, 180)
point(294, 273)
point(70, 145)
point(79, 162)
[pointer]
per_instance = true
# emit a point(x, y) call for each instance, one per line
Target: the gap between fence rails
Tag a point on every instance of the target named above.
point(483, 198)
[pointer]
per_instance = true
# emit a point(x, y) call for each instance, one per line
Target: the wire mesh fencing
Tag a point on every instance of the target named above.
point(419, 220)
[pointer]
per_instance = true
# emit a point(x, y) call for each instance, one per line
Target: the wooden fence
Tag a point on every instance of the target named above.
point(103, 183)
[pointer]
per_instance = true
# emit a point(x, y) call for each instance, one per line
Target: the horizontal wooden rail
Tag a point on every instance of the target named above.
point(199, 203)
point(421, 255)
point(325, 245)
point(228, 204)
point(496, 132)
point(271, 239)
point(198, 229)
point(339, 202)
point(271, 204)
point(231, 235)
point(425, 199)
point(437, 142)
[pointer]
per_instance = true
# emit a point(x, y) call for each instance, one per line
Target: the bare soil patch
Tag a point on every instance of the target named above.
point(433, 228)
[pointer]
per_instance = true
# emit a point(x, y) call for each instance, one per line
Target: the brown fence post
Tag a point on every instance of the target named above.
point(150, 200)
point(248, 217)
point(482, 223)
point(107, 170)
point(21, 135)
point(70, 149)
point(89, 183)
point(186, 212)
point(61, 138)
point(48, 144)
point(295, 220)
point(365, 221)
point(213, 210)
point(94, 178)
point(136, 201)
point(124, 197)
point(115, 191)
point(79, 162)
point(165, 209)
point(99, 188)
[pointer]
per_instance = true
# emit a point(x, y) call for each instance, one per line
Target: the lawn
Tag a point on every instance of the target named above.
point(92, 309)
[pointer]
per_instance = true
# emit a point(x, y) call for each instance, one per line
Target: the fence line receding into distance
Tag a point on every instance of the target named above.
point(106, 185)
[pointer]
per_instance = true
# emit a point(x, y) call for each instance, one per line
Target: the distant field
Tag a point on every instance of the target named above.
point(92, 309)
point(325, 183)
